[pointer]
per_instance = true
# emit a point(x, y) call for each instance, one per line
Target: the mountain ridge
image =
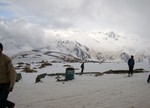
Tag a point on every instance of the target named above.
point(91, 45)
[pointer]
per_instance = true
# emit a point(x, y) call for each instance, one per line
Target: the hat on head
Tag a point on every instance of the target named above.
point(1, 45)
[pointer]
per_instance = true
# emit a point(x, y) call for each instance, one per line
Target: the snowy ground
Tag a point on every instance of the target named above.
point(85, 91)
point(89, 67)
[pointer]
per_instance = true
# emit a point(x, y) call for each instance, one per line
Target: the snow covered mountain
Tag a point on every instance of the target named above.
point(96, 46)
point(21, 37)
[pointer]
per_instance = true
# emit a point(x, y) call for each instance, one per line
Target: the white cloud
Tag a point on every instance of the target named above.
point(31, 17)
point(20, 34)
point(123, 15)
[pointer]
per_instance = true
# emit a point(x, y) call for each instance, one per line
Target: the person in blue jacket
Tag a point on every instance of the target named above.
point(131, 65)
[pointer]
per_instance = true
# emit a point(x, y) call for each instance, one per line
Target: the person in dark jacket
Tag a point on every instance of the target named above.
point(148, 80)
point(82, 68)
point(7, 79)
point(131, 65)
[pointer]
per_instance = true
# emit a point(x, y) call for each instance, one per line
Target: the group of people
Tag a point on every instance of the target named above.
point(8, 77)
point(131, 63)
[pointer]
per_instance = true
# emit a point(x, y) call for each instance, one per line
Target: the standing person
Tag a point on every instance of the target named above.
point(7, 79)
point(82, 67)
point(131, 65)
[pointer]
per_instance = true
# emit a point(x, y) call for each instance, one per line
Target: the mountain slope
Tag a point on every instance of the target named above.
point(84, 45)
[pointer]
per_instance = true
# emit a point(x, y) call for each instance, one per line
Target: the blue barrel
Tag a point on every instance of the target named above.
point(69, 75)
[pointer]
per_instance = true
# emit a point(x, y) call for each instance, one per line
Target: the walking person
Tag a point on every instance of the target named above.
point(7, 79)
point(82, 67)
point(148, 80)
point(131, 66)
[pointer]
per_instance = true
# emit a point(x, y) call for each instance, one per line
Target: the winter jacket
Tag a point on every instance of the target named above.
point(82, 65)
point(7, 71)
point(131, 62)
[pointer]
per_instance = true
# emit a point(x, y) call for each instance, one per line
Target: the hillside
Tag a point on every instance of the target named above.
point(75, 46)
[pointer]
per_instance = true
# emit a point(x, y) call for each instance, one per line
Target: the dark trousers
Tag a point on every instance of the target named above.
point(148, 80)
point(4, 103)
point(130, 70)
point(82, 69)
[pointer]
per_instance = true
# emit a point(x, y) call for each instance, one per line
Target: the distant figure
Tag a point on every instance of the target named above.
point(7, 79)
point(148, 80)
point(131, 65)
point(149, 61)
point(82, 68)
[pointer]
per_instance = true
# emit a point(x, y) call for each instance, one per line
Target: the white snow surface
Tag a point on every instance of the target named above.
point(84, 91)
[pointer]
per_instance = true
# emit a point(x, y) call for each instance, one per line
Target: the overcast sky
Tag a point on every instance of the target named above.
point(23, 22)
point(129, 16)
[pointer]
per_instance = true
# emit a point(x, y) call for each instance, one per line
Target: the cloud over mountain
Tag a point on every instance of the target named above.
point(20, 35)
